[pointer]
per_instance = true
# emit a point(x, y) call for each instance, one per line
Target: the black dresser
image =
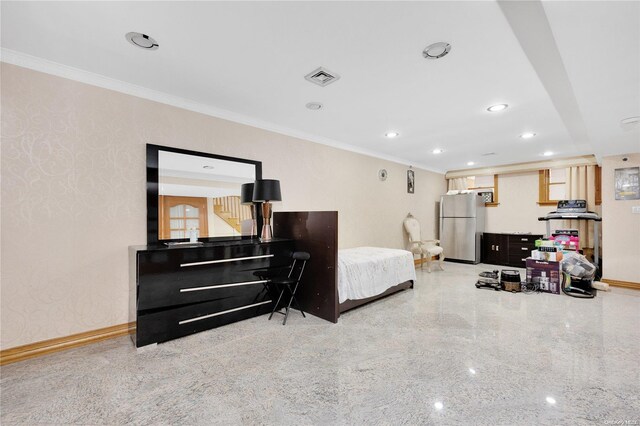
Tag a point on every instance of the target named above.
point(177, 291)
point(508, 249)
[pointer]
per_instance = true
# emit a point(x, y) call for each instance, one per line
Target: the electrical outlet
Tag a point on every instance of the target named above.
point(635, 209)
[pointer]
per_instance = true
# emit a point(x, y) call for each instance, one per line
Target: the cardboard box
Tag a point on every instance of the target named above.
point(554, 256)
point(546, 273)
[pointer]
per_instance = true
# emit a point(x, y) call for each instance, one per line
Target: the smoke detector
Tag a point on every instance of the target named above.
point(141, 40)
point(436, 50)
point(322, 77)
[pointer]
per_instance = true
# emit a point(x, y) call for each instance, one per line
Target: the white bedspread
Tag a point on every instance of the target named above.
point(368, 271)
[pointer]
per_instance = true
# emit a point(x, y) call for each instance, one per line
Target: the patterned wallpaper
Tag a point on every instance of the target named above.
point(73, 195)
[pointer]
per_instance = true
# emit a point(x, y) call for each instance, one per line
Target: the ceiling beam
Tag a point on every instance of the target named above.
point(531, 27)
point(585, 160)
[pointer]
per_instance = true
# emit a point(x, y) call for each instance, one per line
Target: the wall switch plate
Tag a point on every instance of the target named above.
point(635, 209)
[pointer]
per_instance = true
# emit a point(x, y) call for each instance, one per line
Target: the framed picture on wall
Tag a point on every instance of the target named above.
point(627, 183)
point(411, 181)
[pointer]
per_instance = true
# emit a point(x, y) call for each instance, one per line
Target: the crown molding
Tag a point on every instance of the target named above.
point(87, 77)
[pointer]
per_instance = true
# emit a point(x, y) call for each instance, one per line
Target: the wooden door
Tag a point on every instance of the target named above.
point(180, 214)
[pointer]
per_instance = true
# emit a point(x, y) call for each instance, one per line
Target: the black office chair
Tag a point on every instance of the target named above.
point(290, 283)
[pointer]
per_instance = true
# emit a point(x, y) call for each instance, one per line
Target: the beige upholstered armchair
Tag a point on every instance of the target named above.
point(425, 248)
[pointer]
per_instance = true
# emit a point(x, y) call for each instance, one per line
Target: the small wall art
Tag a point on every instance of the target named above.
point(411, 181)
point(627, 183)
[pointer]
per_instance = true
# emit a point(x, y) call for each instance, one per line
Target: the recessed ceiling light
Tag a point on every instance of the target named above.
point(438, 405)
point(472, 371)
point(436, 50)
point(551, 400)
point(141, 40)
point(314, 105)
point(437, 151)
point(547, 153)
point(470, 163)
point(496, 108)
point(527, 135)
point(631, 120)
point(392, 134)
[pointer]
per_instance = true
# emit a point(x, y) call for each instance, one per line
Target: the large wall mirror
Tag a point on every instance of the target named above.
point(190, 191)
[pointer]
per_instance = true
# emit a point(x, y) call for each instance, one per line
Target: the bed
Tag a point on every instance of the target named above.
point(321, 292)
point(367, 272)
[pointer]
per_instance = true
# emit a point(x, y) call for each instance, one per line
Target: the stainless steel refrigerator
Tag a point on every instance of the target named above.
point(461, 226)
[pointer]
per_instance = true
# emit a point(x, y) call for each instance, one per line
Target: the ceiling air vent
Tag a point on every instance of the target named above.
point(322, 77)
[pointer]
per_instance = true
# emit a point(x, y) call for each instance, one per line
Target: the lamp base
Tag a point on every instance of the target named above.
point(254, 221)
point(267, 233)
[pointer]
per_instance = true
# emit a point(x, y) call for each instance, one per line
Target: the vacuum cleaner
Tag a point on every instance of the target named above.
point(578, 274)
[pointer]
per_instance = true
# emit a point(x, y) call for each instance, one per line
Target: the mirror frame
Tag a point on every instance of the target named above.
point(153, 226)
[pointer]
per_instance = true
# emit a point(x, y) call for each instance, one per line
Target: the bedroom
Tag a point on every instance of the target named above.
point(76, 118)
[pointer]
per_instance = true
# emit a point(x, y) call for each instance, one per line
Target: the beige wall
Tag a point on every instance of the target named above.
point(73, 195)
point(518, 210)
point(621, 228)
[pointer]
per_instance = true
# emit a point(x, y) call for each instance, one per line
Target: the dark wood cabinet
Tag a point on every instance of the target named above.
point(508, 249)
point(494, 249)
point(179, 291)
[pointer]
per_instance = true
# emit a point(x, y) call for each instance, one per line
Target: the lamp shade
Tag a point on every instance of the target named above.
point(246, 193)
point(266, 190)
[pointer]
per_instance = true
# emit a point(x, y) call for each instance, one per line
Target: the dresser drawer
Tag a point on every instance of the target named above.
point(523, 239)
point(517, 249)
point(179, 288)
point(518, 261)
point(157, 327)
point(201, 280)
point(216, 257)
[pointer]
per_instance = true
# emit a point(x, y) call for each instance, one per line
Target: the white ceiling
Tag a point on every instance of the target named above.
point(193, 167)
point(570, 71)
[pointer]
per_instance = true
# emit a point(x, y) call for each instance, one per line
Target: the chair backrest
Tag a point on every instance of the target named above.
point(300, 259)
point(412, 227)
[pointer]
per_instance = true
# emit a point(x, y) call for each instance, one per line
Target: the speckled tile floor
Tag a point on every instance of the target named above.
point(443, 353)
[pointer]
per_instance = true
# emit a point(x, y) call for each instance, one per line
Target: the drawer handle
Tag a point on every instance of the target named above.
point(524, 248)
point(209, 287)
point(233, 259)
point(221, 313)
point(524, 239)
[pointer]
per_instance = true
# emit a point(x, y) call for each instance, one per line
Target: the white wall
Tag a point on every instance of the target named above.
point(73, 195)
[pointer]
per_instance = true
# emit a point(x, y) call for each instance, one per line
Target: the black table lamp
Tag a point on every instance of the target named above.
point(265, 191)
point(246, 198)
